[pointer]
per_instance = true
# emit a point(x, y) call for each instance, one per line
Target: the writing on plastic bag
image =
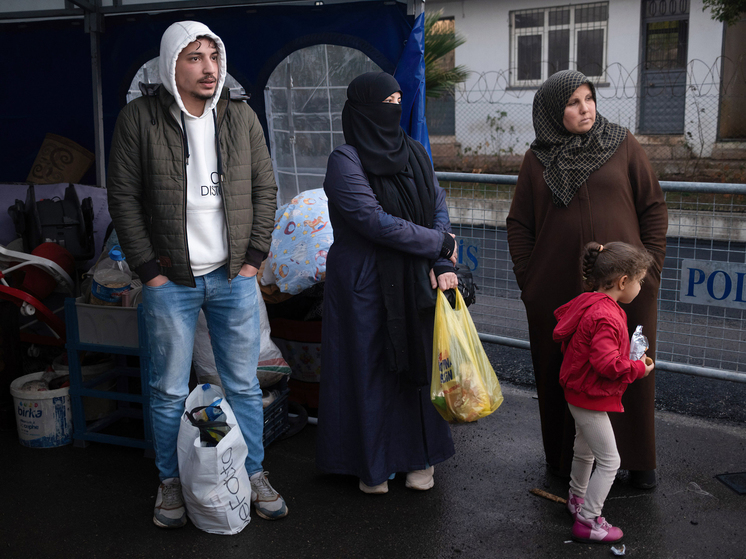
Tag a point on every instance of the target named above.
point(463, 386)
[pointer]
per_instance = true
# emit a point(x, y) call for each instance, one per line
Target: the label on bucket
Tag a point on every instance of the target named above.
point(44, 423)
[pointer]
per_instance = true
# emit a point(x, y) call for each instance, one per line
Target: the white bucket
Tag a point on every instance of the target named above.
point(44, 419)
point(93, 408)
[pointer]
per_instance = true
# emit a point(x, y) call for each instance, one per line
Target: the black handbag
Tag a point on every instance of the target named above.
point(466, 286)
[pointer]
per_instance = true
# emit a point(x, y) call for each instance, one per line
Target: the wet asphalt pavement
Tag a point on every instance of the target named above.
point(97, 502)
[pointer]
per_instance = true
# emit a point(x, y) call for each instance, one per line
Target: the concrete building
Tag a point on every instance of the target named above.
point(663, 68)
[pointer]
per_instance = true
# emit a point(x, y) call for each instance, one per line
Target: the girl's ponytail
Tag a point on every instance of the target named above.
point(602, 265)
point(588, 260)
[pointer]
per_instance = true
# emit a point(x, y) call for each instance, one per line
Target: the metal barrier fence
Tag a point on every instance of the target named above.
point(702, 301)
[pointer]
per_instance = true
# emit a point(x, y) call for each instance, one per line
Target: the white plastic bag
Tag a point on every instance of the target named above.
point(214, 482)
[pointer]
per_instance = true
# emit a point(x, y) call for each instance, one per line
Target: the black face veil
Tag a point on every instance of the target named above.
point(372, 126)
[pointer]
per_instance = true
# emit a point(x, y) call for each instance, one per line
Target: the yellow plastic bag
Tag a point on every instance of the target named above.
point(464, 386)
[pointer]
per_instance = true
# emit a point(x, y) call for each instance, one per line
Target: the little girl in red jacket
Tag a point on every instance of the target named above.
point(596, 370)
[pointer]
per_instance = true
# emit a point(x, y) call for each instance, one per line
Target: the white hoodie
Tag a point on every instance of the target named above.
point(207, 236)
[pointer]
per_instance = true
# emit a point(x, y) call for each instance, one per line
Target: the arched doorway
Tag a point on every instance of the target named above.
point(304, 97)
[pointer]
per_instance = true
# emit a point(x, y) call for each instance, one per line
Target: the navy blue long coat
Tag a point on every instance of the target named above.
point(368, 427)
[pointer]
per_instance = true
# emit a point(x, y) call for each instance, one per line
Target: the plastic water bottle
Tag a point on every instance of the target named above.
point(209, 433)
point(211, 412)
point(111, 279)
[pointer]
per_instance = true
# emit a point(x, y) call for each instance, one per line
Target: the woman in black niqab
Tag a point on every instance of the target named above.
point(392, 248)
point(400, 175)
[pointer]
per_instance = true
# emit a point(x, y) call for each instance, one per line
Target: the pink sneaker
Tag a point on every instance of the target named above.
point(573, 504)
point(595, 531)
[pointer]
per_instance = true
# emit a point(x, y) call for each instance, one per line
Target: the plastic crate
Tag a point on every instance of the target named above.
point(104, 325)
point(276, 414)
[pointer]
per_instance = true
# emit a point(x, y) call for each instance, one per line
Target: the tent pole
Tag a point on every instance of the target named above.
point(94, 24)
point(415, 7)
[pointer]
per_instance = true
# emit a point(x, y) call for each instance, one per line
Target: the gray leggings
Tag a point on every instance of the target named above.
point(594, 439)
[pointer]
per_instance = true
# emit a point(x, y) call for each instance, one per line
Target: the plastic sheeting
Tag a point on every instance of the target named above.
point(304, 99)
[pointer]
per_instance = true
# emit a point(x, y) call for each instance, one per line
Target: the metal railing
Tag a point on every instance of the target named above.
point(702, 301)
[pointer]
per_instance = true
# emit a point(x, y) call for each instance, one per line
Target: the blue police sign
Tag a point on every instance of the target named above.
point(720, 284)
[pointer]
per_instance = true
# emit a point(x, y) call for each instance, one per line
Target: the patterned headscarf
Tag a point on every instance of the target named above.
point(569, 158)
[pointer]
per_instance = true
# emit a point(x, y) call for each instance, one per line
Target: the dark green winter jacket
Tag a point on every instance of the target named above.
point(147, 187)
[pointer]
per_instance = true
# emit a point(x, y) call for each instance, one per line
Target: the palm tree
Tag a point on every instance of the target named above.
point(440, 41)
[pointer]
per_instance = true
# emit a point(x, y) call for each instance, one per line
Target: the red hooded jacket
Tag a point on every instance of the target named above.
point(596, 367)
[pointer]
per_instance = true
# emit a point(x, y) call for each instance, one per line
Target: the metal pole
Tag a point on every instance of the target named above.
point(415, 7)
point(502, 340)
point(666, 186)
point(94, 24)
point(668, 366)
point(697, 371)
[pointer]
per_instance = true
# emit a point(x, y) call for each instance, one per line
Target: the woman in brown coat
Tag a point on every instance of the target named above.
point(584, 179)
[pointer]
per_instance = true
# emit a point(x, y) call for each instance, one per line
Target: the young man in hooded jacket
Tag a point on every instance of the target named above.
point(192, 195)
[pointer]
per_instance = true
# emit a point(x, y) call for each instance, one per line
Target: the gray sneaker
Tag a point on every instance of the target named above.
point(169, 505)
point(268, 503)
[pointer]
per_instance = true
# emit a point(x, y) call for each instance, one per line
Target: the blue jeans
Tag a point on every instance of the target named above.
point(232, 315)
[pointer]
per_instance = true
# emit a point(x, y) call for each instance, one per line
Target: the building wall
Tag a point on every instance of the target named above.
point(703, 81)
point(487, 94)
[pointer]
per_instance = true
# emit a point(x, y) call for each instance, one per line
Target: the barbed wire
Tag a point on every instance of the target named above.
point(702, 79)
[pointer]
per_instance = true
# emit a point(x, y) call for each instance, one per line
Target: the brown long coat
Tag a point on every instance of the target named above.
point(621, 201)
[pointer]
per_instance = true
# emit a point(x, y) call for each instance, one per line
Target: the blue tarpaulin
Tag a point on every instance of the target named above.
point(410, 73)
point(54, 74)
